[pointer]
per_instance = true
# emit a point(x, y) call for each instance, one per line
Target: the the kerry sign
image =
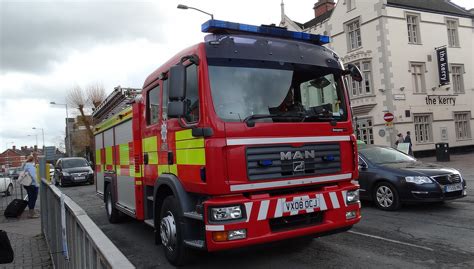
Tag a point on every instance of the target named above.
point(440, 100)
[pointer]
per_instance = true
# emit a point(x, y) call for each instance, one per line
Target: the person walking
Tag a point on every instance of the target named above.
point(408, 140)
point(32, 189)
point(399, 139)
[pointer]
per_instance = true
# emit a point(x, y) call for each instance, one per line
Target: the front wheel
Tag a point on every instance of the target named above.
point(386, 196)
point(170, 232)
point(112, 213)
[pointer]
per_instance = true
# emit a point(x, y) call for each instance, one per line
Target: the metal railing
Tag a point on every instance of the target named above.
point(77, 243)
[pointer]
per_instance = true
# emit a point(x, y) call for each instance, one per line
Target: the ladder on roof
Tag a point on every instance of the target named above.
point(117, 101)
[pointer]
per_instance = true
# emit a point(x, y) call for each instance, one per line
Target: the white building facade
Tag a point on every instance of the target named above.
point(395, 43)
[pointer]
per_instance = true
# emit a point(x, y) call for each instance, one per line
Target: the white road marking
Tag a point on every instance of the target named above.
point(391, 240)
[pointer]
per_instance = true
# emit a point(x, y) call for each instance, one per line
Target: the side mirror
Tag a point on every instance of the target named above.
point(355, 73)
point(177, 83)
point(176, 109)
point(362, 166)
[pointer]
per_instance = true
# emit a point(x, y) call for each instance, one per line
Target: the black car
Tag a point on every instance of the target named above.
point(69, 171)
point(389, 178)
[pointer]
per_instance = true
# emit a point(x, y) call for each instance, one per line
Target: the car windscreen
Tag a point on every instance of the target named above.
point(286, 92)
point(74, 163)
point(381, 155)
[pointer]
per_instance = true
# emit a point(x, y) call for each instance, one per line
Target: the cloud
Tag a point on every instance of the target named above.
point(37, 35)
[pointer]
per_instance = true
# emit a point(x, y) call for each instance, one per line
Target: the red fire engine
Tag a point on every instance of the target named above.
point(242, 139)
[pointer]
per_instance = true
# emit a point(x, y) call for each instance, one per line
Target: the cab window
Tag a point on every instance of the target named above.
point(153, 105)
point(192, 94)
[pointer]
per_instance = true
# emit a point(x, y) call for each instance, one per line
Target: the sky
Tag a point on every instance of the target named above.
point(49, 47)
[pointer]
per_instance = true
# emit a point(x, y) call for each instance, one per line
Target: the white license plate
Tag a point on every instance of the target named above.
point(80, 178)
point(453, 187)
point(298, 205)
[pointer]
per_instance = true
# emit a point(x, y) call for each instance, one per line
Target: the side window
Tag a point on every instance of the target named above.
point(153, 105)
point(164, 103)
point(192, 94)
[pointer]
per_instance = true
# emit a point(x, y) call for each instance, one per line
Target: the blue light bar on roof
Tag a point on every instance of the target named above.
point(220, 27)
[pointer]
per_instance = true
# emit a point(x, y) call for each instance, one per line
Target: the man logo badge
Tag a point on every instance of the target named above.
point(298, 166)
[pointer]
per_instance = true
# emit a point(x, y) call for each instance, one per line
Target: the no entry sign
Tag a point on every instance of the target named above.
point(388, 117)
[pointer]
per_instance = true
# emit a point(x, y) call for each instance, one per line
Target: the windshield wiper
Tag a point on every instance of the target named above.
point(250, 120)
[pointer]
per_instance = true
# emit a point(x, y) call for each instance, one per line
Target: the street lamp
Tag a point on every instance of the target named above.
point(42, 131)
point(187, 7)
point(68, 147)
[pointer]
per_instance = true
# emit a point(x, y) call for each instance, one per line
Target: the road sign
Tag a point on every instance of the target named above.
point(388, 117)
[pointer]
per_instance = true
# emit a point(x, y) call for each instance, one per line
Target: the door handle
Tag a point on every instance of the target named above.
point(145, 158)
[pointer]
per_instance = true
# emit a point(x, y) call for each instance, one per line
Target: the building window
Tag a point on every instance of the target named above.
point(365, 86)
point(413, 29)
point(461, 122)
point(364, 130)
point(453, 39)
point(418, 77)
point(350, 5)
point(457, 72)
point(423, 128)
point(353, 35)
point(153, 105)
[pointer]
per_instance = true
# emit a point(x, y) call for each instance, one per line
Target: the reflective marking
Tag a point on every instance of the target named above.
point(248, 210)
point(322, 201)
point(282, 183)
point(261, 141)
point(334, 201)
point(262, 213)
point(391, 240)
point(344, 197)
point(279, 209)
point(214, 228)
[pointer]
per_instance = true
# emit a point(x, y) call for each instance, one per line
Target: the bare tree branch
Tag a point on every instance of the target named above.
point(76, 98)
point(95, 94)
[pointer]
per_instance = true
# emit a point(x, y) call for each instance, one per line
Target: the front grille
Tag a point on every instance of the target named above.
point(453, 194)
point(448, 179)
point(287, 161)
point(79, 174)
point(296, 221)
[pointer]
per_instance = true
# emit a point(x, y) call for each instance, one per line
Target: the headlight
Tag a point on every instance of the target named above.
point(418, 180)
point(65, 174)
point(352, 196)
point(91, 172)
point(226, 213)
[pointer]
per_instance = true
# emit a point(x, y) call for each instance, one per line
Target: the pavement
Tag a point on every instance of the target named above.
point(416, 236)
point(28, 243)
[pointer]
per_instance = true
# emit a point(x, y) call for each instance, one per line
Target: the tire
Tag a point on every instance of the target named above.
point(9, 190)
point(170, 233)
point(386, 197)
point(112, 213)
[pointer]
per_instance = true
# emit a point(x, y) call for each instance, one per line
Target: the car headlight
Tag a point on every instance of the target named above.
point(91, 172)
point(418, 180)
point(352, 197)
point(226, 213)
point(65, 174)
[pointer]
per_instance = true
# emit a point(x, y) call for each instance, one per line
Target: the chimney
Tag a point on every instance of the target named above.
point(323, 6)
point(14, 147)
point(36, 148)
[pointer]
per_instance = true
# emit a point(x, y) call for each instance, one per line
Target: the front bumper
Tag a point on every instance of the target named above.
point(265, 220)
point(433, 193)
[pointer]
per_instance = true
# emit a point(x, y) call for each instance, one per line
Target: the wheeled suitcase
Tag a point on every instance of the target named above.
point(15, 208)
point(6, 251)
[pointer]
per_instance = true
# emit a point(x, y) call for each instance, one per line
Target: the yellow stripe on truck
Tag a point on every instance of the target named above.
point(183, 135)
point(124, 154)
point(191, 156)
point(150, 144)
point(189, 144)
point(97, 156)
point(108, 155)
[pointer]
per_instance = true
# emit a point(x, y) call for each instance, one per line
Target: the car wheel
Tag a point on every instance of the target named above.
point(112, 213)
point(170, 232)
point(9, 190)
point(386, 196)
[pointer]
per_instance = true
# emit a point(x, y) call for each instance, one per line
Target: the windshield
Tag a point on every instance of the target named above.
point(293, 92)
point(381, 155)
point(74, 163)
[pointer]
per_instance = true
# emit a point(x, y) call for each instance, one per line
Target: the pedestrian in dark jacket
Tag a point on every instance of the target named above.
point(408, 140)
